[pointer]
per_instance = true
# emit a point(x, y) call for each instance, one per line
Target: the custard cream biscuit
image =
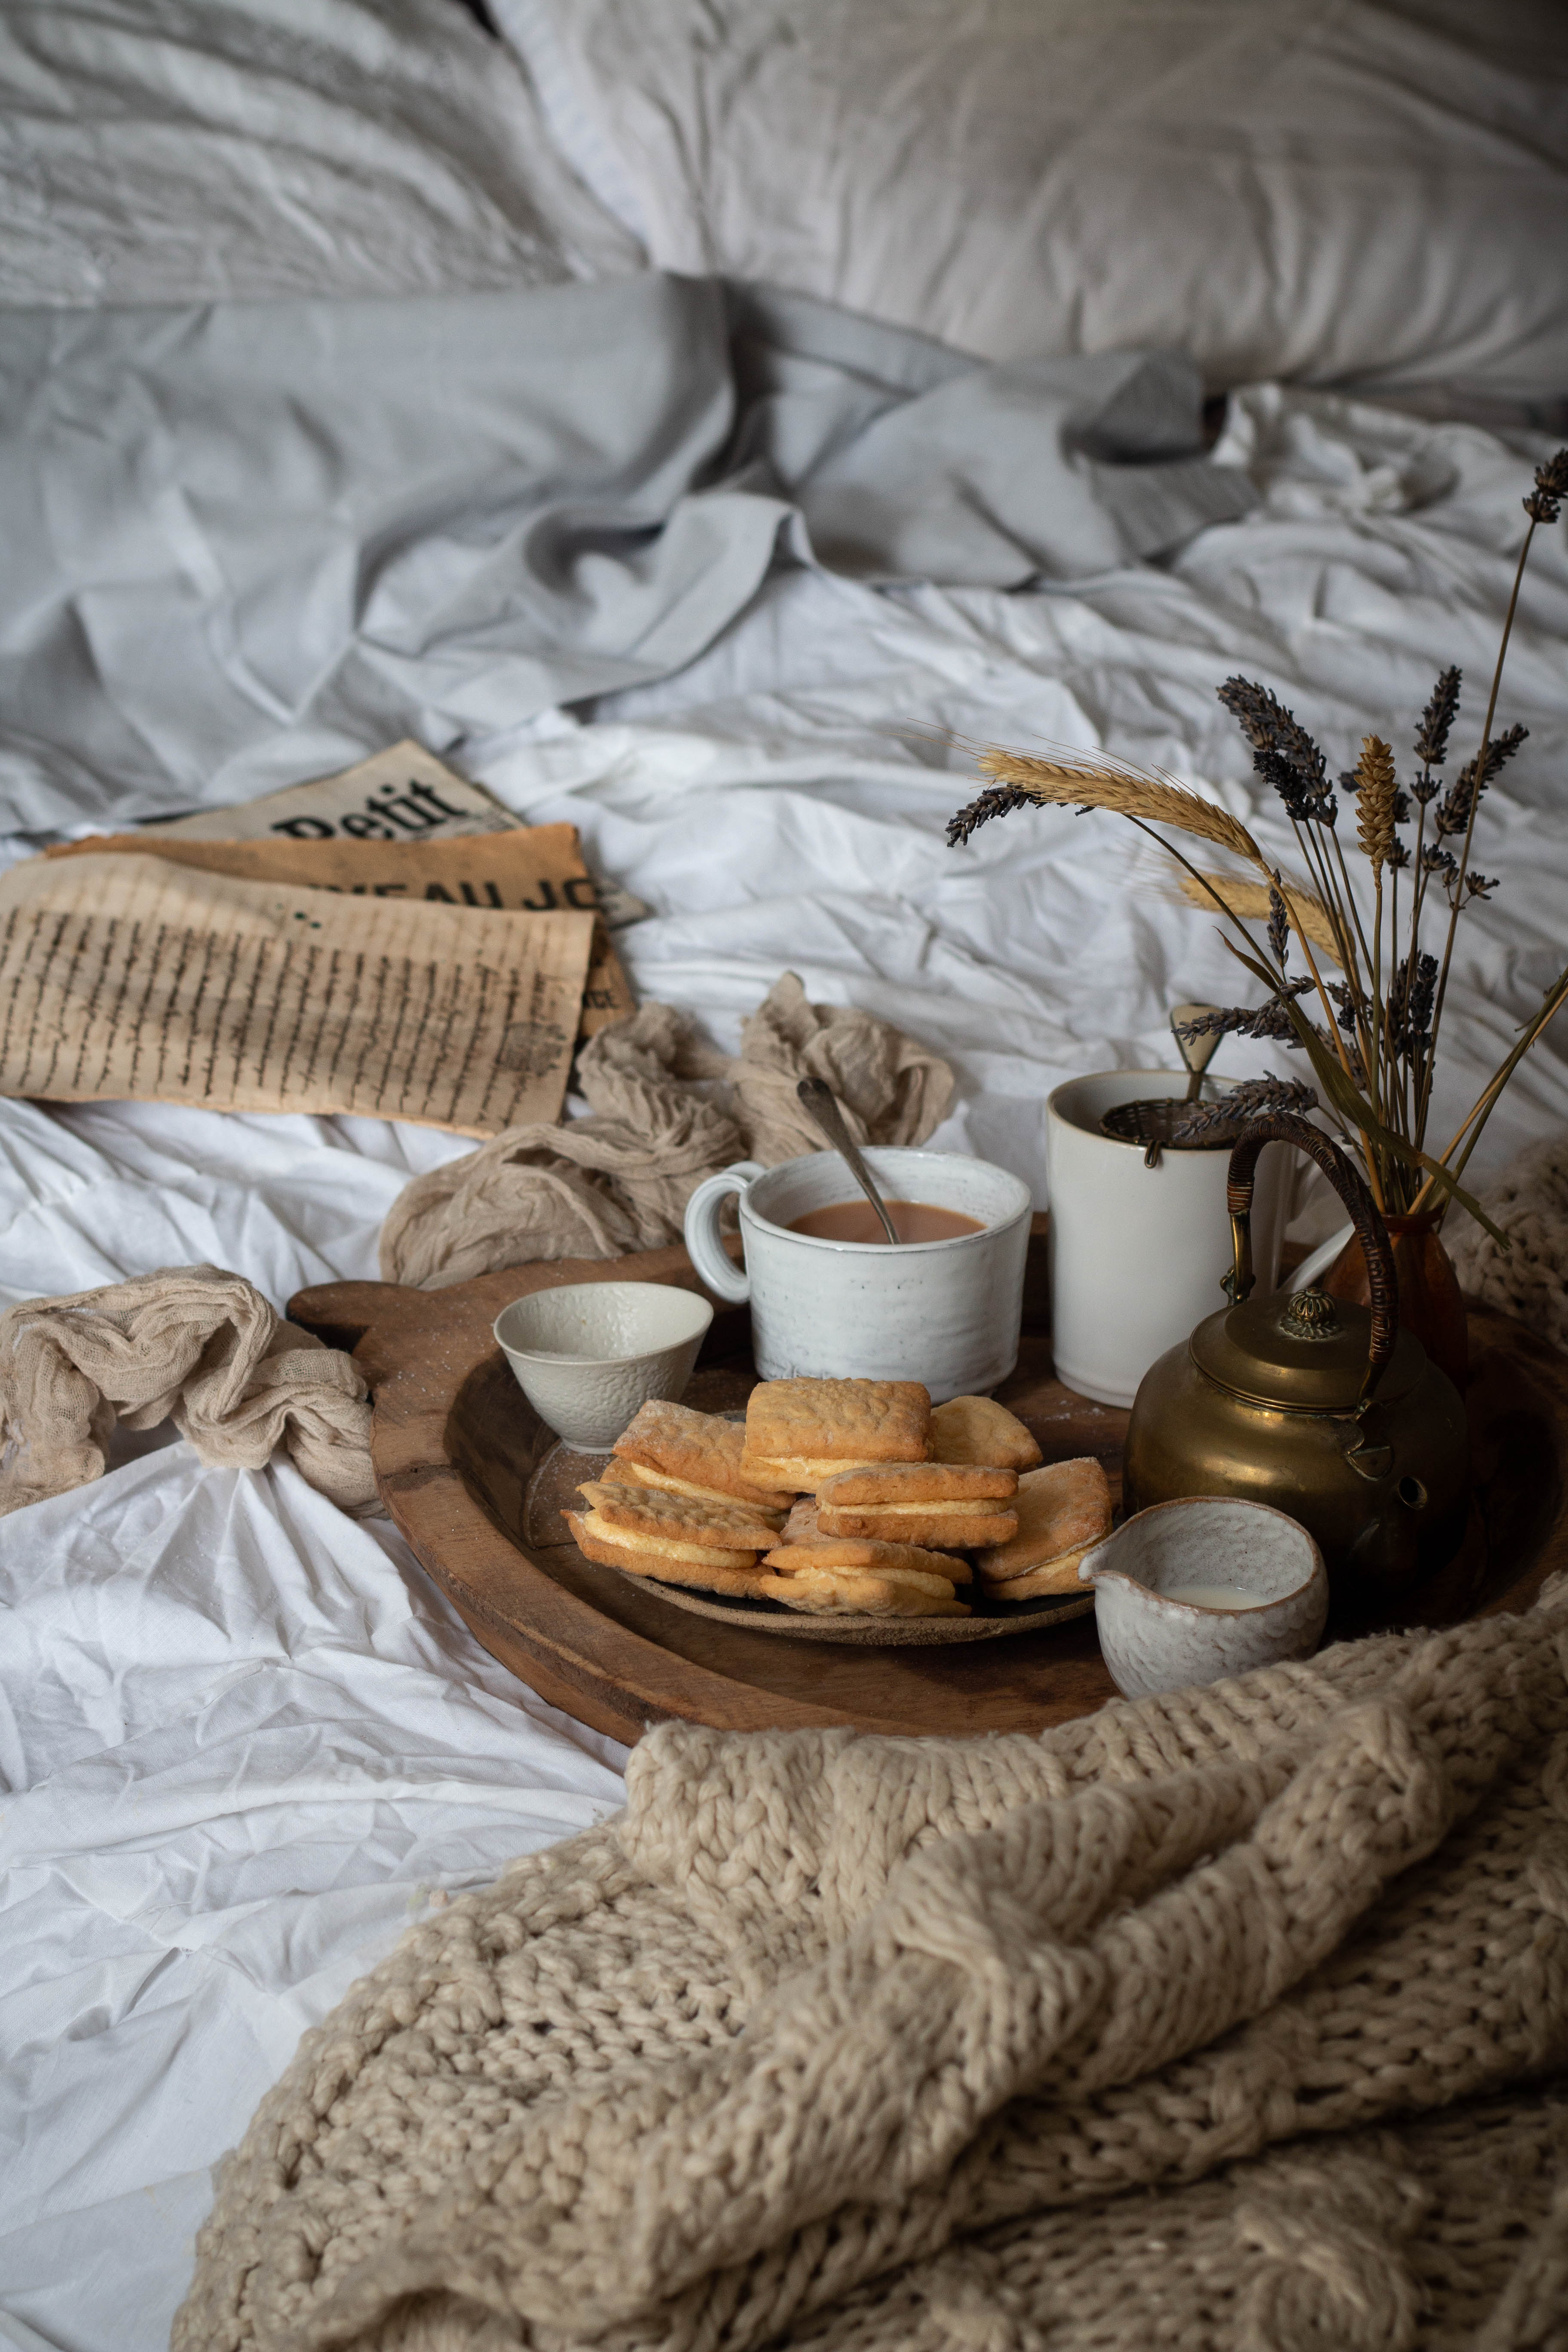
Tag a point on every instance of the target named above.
point(918, 1482)
point(679, 1519)
point(837, 1423)
point(640, 1479)
point(662, 1561)
point(977, 1429)
point(799, 1474)
point(837, 1593)
point(945, 1504)
point(1064, 1510)
point(868, 1559)
point(689, 1452)
point(942, 1526)
point(1059, 1576)
point(638, 1475)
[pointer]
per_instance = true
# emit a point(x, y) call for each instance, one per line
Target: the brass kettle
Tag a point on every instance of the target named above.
point(1328, 1411)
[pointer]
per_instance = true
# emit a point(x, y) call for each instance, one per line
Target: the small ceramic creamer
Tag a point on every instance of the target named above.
point(1196, 1591)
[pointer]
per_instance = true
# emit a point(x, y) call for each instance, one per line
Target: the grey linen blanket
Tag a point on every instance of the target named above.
point(1113, 2037)
point(247, 541)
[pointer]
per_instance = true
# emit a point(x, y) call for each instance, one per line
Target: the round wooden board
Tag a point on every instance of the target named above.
point(456, 1447)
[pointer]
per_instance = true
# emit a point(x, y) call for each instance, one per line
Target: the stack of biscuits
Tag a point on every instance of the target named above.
point(675, 1505)
point(845, 1498)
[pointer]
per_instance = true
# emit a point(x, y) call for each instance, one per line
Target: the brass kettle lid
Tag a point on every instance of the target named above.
point(1301, 1350)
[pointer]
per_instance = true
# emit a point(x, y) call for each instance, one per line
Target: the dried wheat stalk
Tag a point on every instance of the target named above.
point(1309, 916)
point(1152, 800)
point(1378, 791)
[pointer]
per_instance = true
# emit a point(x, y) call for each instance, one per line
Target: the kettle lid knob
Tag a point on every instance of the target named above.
point(1310, 1314)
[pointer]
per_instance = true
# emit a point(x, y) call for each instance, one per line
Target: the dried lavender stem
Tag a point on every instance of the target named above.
point(1397, 1089)
point(1377, 786)
point(1399, 1062)
point(1329, 891)
point(1477, 790)
point(1415, 1123)
point(1373, 1176)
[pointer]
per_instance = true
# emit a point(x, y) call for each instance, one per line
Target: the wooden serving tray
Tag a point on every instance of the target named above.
point(457, 1445)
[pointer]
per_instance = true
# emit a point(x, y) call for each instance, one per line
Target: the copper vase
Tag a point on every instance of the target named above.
point(1431, 1304)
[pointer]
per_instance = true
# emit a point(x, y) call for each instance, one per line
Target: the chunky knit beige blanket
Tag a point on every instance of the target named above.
point(1529, 1203)
point(1147, 2031)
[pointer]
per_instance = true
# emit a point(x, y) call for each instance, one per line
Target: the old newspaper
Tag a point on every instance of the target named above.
point(402, 795)
point(137, 977)
point(533, 869)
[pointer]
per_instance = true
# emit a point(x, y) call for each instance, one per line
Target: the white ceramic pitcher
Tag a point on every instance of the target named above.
point(1137, 1253)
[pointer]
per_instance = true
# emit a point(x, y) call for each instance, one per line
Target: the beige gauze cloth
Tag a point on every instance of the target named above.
point(190, 1344)
point(620, 1179)
point(1147, 2031)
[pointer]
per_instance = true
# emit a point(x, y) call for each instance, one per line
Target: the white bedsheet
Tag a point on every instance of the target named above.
point(1330, 191)
point(245, 1742)
point(175, 151)
point(248, 1746)
point(782, 801)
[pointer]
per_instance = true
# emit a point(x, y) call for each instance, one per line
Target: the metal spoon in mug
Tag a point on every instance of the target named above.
point(1196, 1053)
point(821, 1104)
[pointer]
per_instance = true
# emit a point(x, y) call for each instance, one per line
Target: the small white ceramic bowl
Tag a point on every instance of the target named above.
point(1155, 1640)
point(589, 1355)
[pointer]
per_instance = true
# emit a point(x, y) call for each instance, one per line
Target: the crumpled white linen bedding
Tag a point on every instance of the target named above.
point(173, 151)
point(244, 1740)
point(1330, 190)
point(335, 518)
point(246, 1744)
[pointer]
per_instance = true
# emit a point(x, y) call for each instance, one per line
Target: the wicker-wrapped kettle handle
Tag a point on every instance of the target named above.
point(1284, 1127)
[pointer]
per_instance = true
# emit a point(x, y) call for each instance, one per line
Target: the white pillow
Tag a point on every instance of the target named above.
point(178, 151)
point(1335, 190)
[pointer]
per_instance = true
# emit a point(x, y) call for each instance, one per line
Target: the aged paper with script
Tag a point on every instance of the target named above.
point(533, 869)
point(404, 794)
point(133, 977)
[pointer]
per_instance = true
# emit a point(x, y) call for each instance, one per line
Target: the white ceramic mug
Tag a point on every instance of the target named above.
point(1137, 1253)
point(946, 1313)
